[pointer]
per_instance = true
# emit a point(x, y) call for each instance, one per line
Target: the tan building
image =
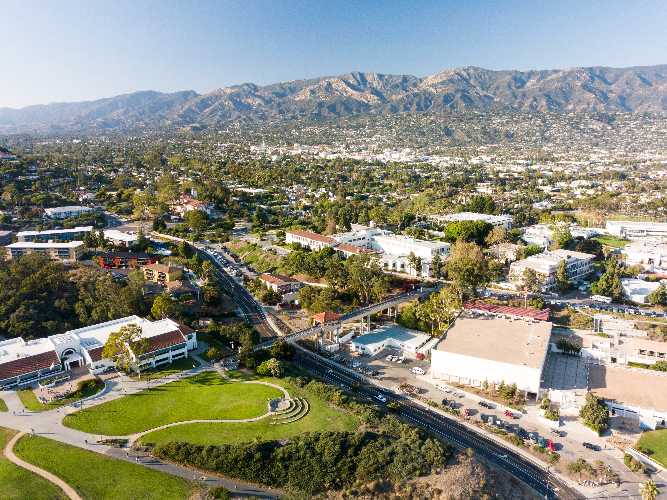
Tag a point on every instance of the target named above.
point(280, 283)
point(161, 272)
point(72, 251)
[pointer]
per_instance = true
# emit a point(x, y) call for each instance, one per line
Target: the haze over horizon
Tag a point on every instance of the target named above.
point(80, 51)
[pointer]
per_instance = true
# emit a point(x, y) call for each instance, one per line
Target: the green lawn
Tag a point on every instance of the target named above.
point(30, 401)
point(177, 366)
point(206, 396)
point(3, 405)
point(16, 483)
point(97, 477)
point(320, 417)
point(612, 241)
point(654, 444)
point(211, 342)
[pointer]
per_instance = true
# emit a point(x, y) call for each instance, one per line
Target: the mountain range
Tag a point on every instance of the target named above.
point(641, 88)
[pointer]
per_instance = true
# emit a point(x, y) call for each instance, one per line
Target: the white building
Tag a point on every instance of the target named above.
point(647, 253)
point(638, 290)
point(66, 212)
point(492, 347)
point(579, 265)
point(637, 230)
point(72, 250)
point(75, 234)
point(26, 362)
point(503, 221)
point(309, 239)
point(389, 336)
point(116, 237)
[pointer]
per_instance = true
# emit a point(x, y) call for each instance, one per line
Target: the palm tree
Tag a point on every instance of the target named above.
point(648, 490)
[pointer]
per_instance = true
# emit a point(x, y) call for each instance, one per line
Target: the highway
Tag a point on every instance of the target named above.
point(252, 311)
point(502, 457)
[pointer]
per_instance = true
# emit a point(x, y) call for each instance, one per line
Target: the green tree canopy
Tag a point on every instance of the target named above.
point(658, 296)
point(595, 412)
point(467, 267)
point(165, 306)
point(126, 346)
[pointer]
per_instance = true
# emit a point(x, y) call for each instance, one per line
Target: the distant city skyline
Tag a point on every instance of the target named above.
point(73, 50)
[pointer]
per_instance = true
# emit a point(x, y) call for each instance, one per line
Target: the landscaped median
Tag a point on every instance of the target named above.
point(85, 389)
point(206, 396)
point(92, 475)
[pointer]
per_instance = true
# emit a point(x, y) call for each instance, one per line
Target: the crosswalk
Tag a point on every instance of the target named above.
point(572, 427)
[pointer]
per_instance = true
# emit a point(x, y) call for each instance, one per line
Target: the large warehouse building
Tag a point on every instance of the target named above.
point(493, 344)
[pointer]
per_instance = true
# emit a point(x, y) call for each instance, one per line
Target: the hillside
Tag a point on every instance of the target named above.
point(642, 88)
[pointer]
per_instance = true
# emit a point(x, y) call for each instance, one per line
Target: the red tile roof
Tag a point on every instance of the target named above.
point(346, 247)
point(277, 279)
point(96, 353)
point(327, 317)
point(165, 340)
point(512, 311)
point(312, 236)
point(23, 366)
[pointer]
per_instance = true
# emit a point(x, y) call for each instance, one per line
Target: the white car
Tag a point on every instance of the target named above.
point(356, 365)
point(400, 360)
point(441, 388)
point(380, 398)
point(390, 357)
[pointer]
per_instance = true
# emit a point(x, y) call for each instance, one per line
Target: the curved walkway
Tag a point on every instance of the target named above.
point(133, 437)
point(9, 455)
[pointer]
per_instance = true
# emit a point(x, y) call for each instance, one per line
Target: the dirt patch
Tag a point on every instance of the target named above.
point(465, 478)
point(621, 385)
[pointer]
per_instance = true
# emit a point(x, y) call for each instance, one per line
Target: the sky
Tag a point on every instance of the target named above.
point(66, 51)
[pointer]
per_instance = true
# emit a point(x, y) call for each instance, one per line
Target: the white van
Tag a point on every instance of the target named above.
point(442, 387)
point(418, 371)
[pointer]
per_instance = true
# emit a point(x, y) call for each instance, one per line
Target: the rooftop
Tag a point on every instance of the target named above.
point(495, 339)
point(520, 312)
point(327, 317)
point(82, 229)
point(312, 236)
point(30, 244)
point(397, 333)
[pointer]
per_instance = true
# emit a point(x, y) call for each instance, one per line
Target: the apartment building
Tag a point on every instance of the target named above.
point(66, 212)
point(579, 265)
point(62, 235)
point(71, 251)
point(161, 273)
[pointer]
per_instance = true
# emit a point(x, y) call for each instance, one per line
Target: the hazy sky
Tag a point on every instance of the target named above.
point(84, 50)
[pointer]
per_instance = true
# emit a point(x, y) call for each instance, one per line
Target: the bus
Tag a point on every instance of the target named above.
point(601, 298)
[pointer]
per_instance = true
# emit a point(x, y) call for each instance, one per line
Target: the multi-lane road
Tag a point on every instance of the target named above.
point(501, 456)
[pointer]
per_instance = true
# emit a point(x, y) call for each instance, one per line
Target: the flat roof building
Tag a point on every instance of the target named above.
point(67, 212)
point(72, 250)
point(390, 335)
point(117, 260)
point(493, 348)
point(647, 253)
point(633, 230)
point(579, 265)
point(504, 221)
point(75, 234)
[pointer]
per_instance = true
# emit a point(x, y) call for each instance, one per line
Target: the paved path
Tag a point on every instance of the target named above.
point(48, 424)
point(8, 452)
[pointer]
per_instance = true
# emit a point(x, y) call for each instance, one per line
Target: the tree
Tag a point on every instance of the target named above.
point(366, 277)
point(276, 367)
point(467, 267)
point(595, 412)
point(142, 243)
point(165, 306)
point(195, 263)
point(561, 235)
point(208, 271)
point(610, 283)
point(213, 353)
point(537, 303)
point(89, 240)
point(530, 250)
point(527, 282)
point(658, 297)
point(563, 282)
point(467, 230)
point(159, 224)
point(184, 249)
point(197, 220)
point(648, 490)
point(440, 307)
point(592, 247)
point(497, 236)
point(126, 346)
point(436, 265)
point(281, 349)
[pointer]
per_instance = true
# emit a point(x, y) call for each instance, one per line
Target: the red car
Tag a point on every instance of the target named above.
point(550, 445)
point(510, 414)
point(467, 411)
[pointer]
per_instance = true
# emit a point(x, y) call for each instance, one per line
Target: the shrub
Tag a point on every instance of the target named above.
point(394, 408)
point(219, 493)
point(551, 415)
point(553, 457)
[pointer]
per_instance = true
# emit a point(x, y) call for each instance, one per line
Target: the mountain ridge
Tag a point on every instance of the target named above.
point(598, 88)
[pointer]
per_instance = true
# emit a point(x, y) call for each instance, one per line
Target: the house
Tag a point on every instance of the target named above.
point(189, 205)
point(178, 288)
point(161, 272)
point(118, 260)
point(279, 283)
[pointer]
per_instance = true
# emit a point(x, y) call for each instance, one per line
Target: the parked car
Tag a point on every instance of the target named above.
point(482, 417)
point(589, 446)
point(467, 412)
point(540, 441)
point(375, 373)
point(556, 432)
point(484, 404)
point(418, 371)
point(444, 401)
point(533, 438)
point(510, 414)
point(550, 445)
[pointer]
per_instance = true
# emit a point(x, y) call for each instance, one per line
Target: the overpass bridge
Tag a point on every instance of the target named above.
point(335, 325)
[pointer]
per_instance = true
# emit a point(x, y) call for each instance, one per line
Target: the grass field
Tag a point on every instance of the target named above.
point(654, 444)
point(203, 397)
point(176, 367)
point(3, 405)
point(612, 241)
point(16, 483)
point(30, 401)
point(319, 418)
point(96, 477)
